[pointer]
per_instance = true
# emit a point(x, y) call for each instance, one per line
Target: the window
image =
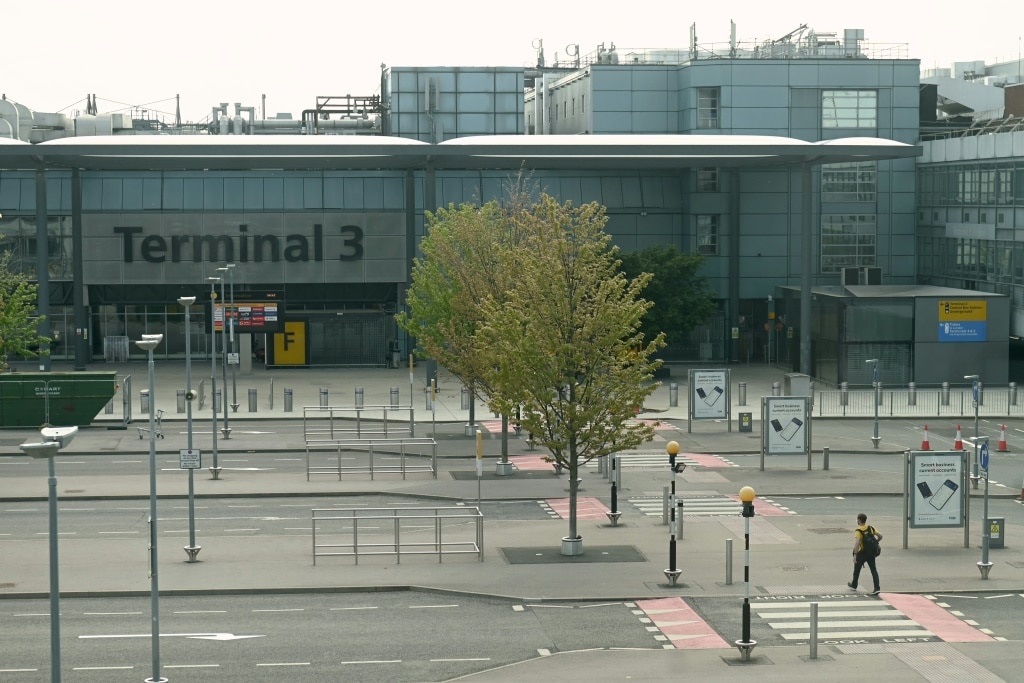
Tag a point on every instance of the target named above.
point(707, 235)
point(707, 107)
point(849, 109)
point(707, 180)
point(849, 182)
point(847, 241)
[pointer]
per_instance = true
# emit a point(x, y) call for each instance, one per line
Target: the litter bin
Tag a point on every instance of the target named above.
point(746, 422)
point(995, 532)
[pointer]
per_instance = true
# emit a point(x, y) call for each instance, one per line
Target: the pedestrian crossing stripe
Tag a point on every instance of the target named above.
point(840, 620)
point(708, 506)
point(659, 460)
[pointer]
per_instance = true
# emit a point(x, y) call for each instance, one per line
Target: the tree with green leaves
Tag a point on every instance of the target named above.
point(465, 261)
point(19, 324)
point(565, 342)
point(681, 299)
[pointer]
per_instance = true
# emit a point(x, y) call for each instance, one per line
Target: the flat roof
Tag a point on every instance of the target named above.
point(351, 152)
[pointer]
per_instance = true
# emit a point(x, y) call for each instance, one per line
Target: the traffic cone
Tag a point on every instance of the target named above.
point(1002, 447)
point(958, 444)
point(925, 446)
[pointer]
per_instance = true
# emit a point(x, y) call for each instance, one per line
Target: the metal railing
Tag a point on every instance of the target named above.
point(918, 402)
point(361, 532)
point(320, 461)
point(327, 423)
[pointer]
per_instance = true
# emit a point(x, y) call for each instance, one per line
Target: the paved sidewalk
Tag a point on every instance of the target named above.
point(790, 554)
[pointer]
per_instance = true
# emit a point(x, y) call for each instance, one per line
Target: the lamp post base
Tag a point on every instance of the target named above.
point(746, 647)
point(226, 431)
point(215, 472)
point(613, 517)
point(572, 546)
point(234, 407)
point(673, 575)
point(504, 469)
point(984, 568)
point(192, 551)
point(875, 440)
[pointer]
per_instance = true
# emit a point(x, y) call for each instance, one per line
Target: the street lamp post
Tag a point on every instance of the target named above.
point(53, 440)
point(745, 645)
point(986, 528)
point(974, 380)
point(672, 573)
point(215, 469)
point(874, 383)
point(231, 338)
point(149, 342)
point(191, 549)
point(226, 430)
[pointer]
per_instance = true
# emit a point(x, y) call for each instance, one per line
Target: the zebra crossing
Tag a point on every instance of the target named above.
point(706, 506)
point(658, 460)
point(841, 619)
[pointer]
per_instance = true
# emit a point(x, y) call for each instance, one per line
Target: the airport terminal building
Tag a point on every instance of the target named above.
point(789, 163)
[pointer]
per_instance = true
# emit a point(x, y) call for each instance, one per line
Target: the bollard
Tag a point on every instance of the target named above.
point(426, 397)
point(825, 453)
point(359, 397)
point(252, 401)
point(728, 562)
point(945, 394)
point(181, 400)
point(911, 394)
point(1013, 393)
point(465, 398)
point(144, 401)
point(673, 395)
point(844, 393)
point(287, 400)
point(216, 401)
point(742, 393)
point(814, 630)
point(394, 397)
point(776, 389)
point(324, 400)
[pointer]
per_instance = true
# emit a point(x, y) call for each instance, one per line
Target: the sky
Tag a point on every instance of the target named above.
point(139, 56)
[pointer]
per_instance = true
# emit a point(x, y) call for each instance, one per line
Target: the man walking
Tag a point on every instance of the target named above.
point(865, 549)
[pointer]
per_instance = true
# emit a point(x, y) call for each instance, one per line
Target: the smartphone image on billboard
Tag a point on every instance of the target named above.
point(792, 428)
point(925, 489)
point(712, 398)
point(942, 496)
point(776, 425)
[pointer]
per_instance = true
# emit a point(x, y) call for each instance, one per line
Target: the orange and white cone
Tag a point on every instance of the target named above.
point(925, 446)
point(958, 443)
point(1002, 447)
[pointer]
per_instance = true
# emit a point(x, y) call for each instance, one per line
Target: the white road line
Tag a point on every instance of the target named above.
point(464, 659)
point(859, 634)
point(846, 623)
point(202, 611)
point(17, 671)
point(118, 532)
point(109, 614)
point(30, 614)
point(283, 609)
point(102, 668)
point(342, 609)
point(429, 606)
point(191, 666)
point(285, 664)
point(373, 661)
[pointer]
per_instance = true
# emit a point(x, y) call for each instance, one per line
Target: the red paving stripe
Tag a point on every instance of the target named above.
point(586, 508)
point(681, 624)
point(934, 618)
point(763, 507)
point(706, 460)
point(530, 462)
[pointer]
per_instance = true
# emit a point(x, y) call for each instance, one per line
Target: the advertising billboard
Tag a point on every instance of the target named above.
point(937, 488)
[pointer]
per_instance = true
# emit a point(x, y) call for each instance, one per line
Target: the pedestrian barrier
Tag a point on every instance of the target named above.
point(362, 532)
point(916, 401)
point(335, 422)
point(325, 457)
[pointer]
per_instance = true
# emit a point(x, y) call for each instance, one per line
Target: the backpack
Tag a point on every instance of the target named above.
point(869, 542)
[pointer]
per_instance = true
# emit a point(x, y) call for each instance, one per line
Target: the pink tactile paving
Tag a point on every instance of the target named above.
point(935, 619)
point(586, 508)
point(680, 624)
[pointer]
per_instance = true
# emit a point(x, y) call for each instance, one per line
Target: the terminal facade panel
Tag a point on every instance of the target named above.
point(339, 242)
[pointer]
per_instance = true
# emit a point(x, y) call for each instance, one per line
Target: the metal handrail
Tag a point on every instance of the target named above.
point(351, 518)
point(370, 447)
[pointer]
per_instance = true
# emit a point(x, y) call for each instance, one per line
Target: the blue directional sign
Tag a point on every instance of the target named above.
point(983, 456)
